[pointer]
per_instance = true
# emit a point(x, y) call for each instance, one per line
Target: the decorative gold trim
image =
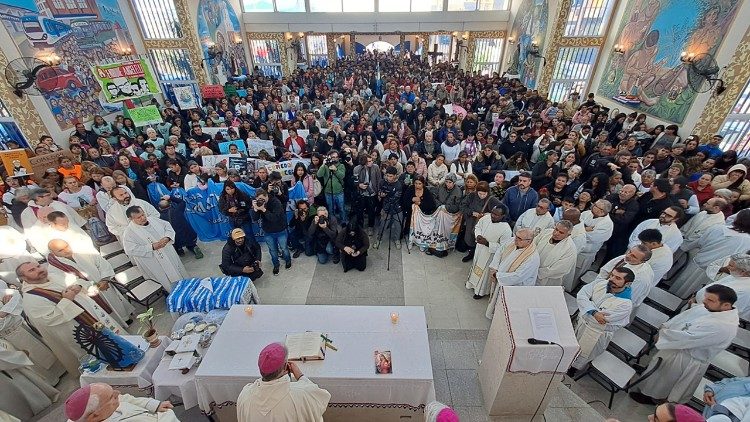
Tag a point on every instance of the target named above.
point(286, 67)
point(190, 38)
point(471, 44)
point(735, 77)
point(23, 111)
point(331, 47)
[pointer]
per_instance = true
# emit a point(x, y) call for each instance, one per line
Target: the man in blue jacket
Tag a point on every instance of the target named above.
point(520, 197)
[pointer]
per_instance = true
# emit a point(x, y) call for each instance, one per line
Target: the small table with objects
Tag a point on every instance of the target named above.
point(348, 374)
point(138, 381)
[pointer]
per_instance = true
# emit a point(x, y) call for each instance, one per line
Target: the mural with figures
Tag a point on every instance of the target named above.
point(649, 75)
point(530, 25)
point(80, 33)
point(219, 26)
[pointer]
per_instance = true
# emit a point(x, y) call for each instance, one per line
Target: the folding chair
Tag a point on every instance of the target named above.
point(137, 288)
point(613, 374)
point(648, 320)
point(120, 262)
point(741, 342)
point(664, 301)
point(111, 249)
point(696, 402)
point(628, 344)
point(727, 365)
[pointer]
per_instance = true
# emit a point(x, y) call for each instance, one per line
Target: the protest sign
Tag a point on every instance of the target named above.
point(185, 97)
point(210, 161)
point(17, 163)
point(125, 80)
point(214, 130)
point(286, 168)
point(300, 132)
point(254, 146)
point(212, 91)
point(224, 146)
point(230, 90)
point(41, 163)
point(144, 116)
point(242, 93)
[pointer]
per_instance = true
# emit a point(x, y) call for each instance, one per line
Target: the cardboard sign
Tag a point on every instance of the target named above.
point(144, 116)
point(41, 163)
point(286, 168)
point(17, 163)
point(212, 91)
point(300, 132)
point(254, 146)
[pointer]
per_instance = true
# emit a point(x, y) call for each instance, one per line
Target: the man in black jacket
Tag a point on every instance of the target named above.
point(321, 236)
point(272, 216)
point(625, 207)
point(240, 256)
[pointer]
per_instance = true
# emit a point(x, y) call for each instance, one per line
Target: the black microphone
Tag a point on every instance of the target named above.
point(537, 341)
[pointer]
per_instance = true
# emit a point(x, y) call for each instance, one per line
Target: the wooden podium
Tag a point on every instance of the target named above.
point(513, 373)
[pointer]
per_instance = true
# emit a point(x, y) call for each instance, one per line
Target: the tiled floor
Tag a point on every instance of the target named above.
point(457, 325)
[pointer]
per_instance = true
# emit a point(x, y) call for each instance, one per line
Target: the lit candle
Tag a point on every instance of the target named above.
point(249, 310)
point(684, 54)
point(394, 317)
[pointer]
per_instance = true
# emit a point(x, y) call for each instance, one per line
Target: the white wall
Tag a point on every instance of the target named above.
point(726, 50)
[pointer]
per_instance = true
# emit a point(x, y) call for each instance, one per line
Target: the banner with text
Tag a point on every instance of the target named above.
point(126, 80)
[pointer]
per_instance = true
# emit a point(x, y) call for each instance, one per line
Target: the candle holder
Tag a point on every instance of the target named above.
point(394, 317)
point(249, 310)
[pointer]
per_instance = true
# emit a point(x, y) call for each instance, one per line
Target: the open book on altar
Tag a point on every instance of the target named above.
point(309, 345)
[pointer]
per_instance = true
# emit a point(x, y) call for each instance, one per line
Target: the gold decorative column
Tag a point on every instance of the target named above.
point(352, 48)
point(424, 39)
point(331, 47)
point(22, 110)
point(401, 40)
point(471, 42)
point(735, 77)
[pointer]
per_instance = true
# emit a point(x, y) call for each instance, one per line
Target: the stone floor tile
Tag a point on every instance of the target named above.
point(464, 385)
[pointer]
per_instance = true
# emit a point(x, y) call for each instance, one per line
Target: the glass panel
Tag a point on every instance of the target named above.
point(265, 52)
point(462, 5)
point(9, 131)
point(588, 18)
point(426, 5)
point(736, 128)
point(325, 5)
point(257, 5)
point(445, 46)
point(572, 71)
point(393, 6)
point(492, 5)
point(157, 19)
point(317, 48)
point(290, 5)
point(171, 64)
point(488, 53)
point(358, 5)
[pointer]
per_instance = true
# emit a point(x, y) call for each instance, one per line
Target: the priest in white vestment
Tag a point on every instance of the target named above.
point(686, 344)
point(148, 243)
point(636, 258)
point(537, 219)
point(516, 263)
point(598, 226)
point(103, 197)
point(716, 243)
point(59, 227)
point(557, 254)
point(739, 280)
point(666, 224)
point(15, 330)
point(12, 254)
point(23, 392)
point(95, 271)
point(274, 397)
point(116, 219)
point(604, 307)
point(490, 232)
point(100, 402)
point(56, 309)
point(661, 254)
point(41, 204)
point(711, 215)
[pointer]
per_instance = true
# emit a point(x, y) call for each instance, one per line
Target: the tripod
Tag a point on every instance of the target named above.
point(390, 217)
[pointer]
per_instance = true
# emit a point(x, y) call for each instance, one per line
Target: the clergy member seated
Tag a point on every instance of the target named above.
point(274, 397)
point(738, 279)
point(727, 399)
point(686, 344)
point(241, 256)
point(516, 263)
point(604, 307)
point(99, 402)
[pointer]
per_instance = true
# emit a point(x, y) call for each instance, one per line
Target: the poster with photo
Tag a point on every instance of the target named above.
point(126, 80)
point(185, 97)
point(255, 146)
point(16, 162)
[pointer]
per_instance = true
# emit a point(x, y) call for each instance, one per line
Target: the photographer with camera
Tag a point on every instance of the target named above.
point(390, 196)
point(271, 215)
point(277, 188)
point(298, 226)
point(241, 256)
point(367, 180)
point(331, 174)
point(321, 235)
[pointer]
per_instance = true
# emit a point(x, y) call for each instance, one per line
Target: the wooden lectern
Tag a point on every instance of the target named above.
point(513, 373)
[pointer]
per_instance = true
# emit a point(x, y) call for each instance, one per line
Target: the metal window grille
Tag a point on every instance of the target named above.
point(266, 55)
point(290, 5)
point(488, 53)
point(317, 49)
point(446, 44)
point(462, 5)
point(9, 130)
point(588, 18)
point(157, 19)
point(492, 5)
point(172, 64)
point(257, 5)
point(572, 71)
point(736, 127)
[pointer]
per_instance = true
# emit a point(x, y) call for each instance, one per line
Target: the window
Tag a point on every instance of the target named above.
point(736, 127)
point(9, 130)
point(572, 71)
point(317, 50)
point(266, 54)
point(171, 64)
point(588, 18)
point(393, 6)
point(157, 19)
point(290, 5)
point(446, 46)
point(330, 6)
point(358, 5)
point(461, 5)
point(257, 5)
point(488, 53)
point(492, 5)
point(426, 5)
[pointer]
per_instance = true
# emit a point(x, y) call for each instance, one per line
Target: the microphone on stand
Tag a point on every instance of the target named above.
point(537, 341)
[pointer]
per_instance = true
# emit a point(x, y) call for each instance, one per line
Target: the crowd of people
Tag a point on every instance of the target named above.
point(544, 191)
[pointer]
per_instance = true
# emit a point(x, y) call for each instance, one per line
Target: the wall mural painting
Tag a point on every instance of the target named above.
point(649, 75)
point(219, 26)
point(80, 33)
point(530, 25)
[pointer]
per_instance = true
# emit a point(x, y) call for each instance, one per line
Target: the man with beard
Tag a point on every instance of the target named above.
point(116, 219)
point(557, 254)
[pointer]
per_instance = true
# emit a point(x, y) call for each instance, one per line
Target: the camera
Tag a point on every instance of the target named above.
point(260, 202)
point(322, 220)
point(331, 161)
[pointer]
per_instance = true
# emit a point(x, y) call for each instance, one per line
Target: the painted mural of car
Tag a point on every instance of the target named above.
point(53, 78)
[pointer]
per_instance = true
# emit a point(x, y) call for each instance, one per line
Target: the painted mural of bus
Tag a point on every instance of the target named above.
point(41, 30)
